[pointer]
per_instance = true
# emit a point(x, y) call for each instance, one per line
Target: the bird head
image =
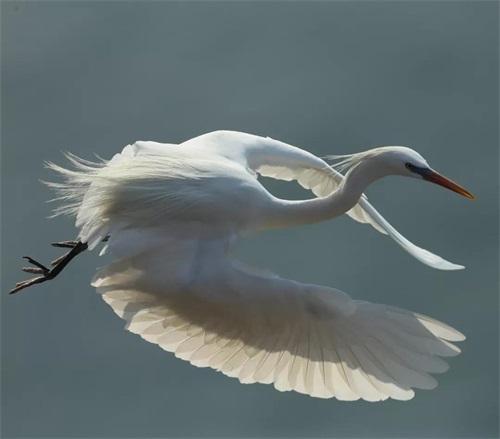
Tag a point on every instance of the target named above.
point(409, 163)
point(398, 160)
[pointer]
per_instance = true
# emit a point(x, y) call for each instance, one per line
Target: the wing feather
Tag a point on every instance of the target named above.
point(259, 327)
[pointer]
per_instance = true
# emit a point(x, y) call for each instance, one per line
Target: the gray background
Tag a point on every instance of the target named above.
point(330, 77)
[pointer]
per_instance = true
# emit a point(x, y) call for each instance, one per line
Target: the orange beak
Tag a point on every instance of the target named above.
point(441, 180)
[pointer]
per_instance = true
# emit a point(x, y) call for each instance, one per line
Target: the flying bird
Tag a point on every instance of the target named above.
point(171, 216)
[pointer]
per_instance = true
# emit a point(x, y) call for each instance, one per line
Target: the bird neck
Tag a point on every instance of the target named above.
point(285, 213)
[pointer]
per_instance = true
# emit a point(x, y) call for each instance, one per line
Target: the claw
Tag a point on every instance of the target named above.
point(32, 261)
point(27, 283)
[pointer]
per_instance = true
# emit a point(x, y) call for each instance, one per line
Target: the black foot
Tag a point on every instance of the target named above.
point(57, 266)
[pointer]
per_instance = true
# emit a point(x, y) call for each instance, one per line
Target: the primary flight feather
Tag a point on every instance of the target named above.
point(171, 214)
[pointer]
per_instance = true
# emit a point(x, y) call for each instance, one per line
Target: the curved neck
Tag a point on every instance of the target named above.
point(285, 213)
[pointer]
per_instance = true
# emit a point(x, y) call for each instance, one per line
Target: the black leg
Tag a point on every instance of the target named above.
point(77, 247)
point(65, 244)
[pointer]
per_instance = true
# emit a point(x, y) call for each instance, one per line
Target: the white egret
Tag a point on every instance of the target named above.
point(171, 215)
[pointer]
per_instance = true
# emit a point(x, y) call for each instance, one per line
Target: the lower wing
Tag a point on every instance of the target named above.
point(258, 327)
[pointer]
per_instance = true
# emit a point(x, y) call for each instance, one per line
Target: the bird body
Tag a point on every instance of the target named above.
point(172, 215)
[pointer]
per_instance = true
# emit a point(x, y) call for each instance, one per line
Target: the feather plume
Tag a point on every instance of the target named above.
point(347, 162)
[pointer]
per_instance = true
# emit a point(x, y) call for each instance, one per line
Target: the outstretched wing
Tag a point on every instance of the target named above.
point(192, 298)
point(275, 159)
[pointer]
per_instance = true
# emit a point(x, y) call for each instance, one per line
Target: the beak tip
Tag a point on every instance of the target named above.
point(441, 180)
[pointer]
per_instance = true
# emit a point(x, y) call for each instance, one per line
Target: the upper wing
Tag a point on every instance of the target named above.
point(272, 158)
point(192, 298)
point(275, 159)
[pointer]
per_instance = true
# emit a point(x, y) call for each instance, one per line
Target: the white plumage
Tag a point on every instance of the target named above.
point(173, 214)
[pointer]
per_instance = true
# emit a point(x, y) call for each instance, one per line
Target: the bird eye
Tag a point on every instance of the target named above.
point(409, 165)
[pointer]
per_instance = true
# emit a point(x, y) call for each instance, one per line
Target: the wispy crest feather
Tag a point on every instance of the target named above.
point(348, 162)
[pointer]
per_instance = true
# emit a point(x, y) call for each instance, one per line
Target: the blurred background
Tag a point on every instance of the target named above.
point(329, 77)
